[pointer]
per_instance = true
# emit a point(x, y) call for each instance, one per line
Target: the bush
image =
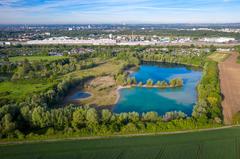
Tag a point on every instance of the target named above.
point(236, 118)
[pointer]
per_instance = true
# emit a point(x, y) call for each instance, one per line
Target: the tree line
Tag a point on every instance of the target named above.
point(35, 121)
point(123, 79)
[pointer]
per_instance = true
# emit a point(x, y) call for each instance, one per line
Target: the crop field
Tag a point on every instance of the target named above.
point(219, 56)
point(215, 144)
point(36, 58)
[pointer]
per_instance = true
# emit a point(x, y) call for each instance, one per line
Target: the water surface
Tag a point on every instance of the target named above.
point(160, 100)
point(80, 95)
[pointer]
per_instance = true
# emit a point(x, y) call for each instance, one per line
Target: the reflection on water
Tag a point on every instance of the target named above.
point(160, 100)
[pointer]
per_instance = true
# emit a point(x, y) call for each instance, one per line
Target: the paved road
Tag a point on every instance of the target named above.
point(230, 87)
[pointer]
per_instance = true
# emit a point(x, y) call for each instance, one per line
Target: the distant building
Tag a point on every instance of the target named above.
point(7, 43)
point(218, 40)
point(55, 54)
point(224, 49)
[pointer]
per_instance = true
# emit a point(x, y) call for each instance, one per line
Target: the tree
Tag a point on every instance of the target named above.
point(179, 82)
point(164, 84)
point(78, 119)
point(158, 84)
point(133, 117)
point(150, 116)
point(172, 82)
point(149, 82)
point(40, 117)
point(92, 117)
point(129, 81)
point(134, 81)
point(123, 118)
point(121, 79)
point(106, 115)
point(7, 125)
point(174, 115)
point(130, 127)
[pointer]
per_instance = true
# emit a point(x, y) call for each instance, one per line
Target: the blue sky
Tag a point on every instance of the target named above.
point(118, 11)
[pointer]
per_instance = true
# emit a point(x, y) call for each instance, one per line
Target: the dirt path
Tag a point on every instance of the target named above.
point(230, 87)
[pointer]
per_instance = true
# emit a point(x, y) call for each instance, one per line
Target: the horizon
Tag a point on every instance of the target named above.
point(126, 24)
point(119, 12)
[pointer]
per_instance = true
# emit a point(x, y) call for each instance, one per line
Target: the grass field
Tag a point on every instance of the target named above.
point(216, 144)
point(36, 58)
point(19, 90)
point(219, 56)
point(109, 67)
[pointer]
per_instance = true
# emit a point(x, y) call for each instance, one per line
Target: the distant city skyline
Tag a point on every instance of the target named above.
point(118, 11)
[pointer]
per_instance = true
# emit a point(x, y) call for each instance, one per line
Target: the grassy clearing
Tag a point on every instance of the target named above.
point(19, 90)
point(219, 56)
point(221, 144)
point(36, 58)
point(110, 67)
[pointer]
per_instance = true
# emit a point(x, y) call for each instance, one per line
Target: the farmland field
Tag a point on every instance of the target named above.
point(220, 144)
point(219, 56)
point(230, 87)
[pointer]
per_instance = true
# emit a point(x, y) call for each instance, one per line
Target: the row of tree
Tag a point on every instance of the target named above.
point(25, 120)
point(208, 106)
point(124, 80)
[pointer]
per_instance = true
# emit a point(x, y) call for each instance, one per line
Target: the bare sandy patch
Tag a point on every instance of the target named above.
point(104, 91)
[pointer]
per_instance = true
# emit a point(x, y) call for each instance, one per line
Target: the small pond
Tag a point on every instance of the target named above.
point(80, 95)
point(160, 100)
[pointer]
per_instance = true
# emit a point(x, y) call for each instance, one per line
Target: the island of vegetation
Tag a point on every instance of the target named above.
point(124, 81)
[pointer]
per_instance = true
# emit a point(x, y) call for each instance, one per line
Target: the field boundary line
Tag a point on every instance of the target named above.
point(114, 136)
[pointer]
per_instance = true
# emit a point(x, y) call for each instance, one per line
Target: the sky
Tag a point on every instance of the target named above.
point(118, 11)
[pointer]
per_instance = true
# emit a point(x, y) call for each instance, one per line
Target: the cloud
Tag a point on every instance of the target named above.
point(8, 2)
point(83, 11)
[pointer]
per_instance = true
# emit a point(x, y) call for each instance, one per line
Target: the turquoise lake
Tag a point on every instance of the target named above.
point(160, 100)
